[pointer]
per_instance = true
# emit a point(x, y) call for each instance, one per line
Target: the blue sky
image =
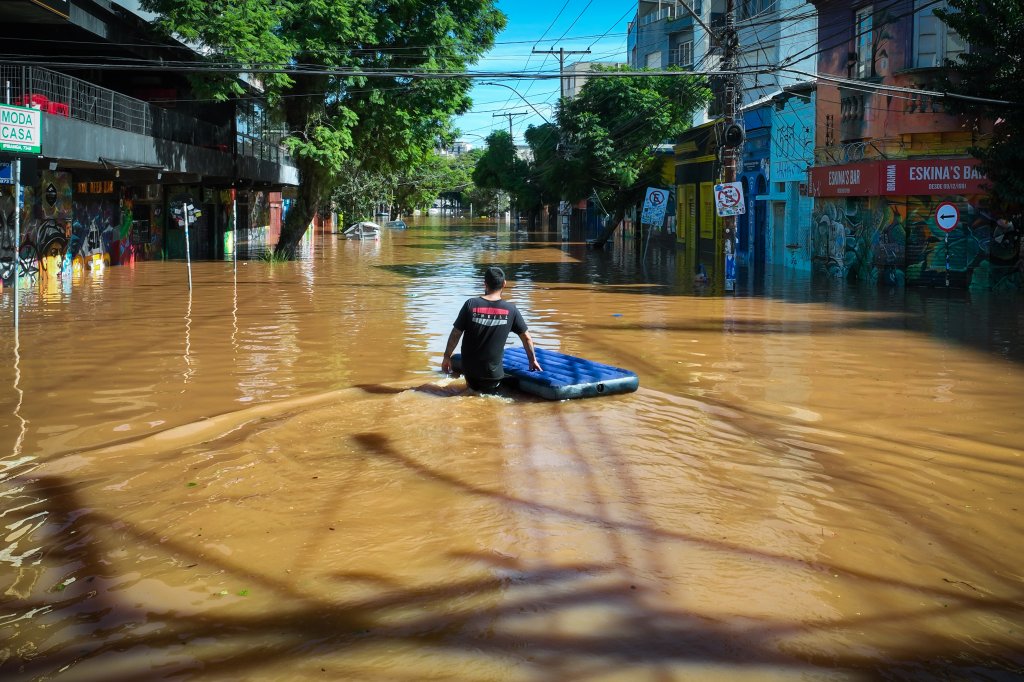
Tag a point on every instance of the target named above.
point(597, 25)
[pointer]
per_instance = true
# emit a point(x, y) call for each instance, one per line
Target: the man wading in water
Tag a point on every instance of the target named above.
point(486, 321)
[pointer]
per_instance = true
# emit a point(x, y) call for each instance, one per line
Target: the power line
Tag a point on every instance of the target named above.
point(510, 115)
point(561, 52)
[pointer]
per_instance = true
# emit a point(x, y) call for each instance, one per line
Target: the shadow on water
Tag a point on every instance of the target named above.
point(426, 617)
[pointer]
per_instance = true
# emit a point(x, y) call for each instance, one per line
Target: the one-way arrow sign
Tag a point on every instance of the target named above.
point(947, 216)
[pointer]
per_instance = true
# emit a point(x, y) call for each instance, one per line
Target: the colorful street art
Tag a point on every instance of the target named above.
point(983, 252)
point(92, 231)
point(895, 241)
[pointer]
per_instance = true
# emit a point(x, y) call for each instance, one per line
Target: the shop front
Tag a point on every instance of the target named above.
point(879, 221)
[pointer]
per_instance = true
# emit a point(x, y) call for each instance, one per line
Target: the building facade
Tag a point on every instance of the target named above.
point(898, 198)
point(791, 155)
point(122, 149)
point(777, 55)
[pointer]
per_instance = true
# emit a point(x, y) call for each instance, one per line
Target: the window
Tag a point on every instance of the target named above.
point(864, 40)
point(934, 42)
point(653, 60)
point(682, 54)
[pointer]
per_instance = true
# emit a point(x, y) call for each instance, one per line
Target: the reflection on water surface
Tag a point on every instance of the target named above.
point(269, 480)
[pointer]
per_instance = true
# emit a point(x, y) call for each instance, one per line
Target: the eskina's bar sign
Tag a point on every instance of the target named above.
point(902, 178)
point(953, 176)
point(851, 180)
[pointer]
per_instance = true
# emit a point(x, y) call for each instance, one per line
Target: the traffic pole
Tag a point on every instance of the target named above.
point(729, 153)
point(188, 250)
point(16, 177)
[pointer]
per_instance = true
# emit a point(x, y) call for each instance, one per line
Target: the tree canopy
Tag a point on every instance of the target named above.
point(603, 141)
point(993, 68)
point(330, 118)
point(500, 167)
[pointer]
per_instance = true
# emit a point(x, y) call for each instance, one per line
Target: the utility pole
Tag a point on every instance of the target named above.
point(561, 52)
point(733, 137)
point(510, 115)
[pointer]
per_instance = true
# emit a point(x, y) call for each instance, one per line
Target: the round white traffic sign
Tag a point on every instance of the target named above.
point(728, 195)
point(947, 216)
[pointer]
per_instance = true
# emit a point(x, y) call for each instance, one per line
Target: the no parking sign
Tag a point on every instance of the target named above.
point(655, 204)
point(729, 199)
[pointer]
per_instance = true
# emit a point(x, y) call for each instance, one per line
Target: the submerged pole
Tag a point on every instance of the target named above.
point(234, 228)
point(188, 250)
point(16, 177)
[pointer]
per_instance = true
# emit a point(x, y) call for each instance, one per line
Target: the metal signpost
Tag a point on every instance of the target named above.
point(17, 235)
point(185, 215)
point(947, 217)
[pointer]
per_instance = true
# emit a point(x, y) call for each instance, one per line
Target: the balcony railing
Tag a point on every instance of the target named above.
point(675, 11)
point(64, 95)
point(658, 15)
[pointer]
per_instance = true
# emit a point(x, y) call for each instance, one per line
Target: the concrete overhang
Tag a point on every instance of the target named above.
point(81, 145)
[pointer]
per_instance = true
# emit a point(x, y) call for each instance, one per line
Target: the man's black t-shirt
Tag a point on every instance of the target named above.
point(485, 326)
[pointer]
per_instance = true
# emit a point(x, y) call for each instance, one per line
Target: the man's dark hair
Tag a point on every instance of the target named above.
point(494, 279)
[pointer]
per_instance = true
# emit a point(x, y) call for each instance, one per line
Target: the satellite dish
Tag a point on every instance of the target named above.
point(733, 136)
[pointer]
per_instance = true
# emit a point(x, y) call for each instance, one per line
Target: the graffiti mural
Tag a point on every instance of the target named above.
point(43, 224)
point(860, 240)
point(93, 231)
point(124, 250)
point(982, 252)
point(896, 241)
point(833, 227)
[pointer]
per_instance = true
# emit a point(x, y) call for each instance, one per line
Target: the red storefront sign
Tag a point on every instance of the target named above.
point(903, 178)
point(851, 180)
point(933, 176)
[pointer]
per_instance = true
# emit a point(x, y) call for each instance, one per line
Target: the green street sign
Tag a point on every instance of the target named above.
point(21, 129)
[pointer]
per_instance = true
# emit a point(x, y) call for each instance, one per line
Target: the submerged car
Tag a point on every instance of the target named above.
point(364, 229)
point(396, 224)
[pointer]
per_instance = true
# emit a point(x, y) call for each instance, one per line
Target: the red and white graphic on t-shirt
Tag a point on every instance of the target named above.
point(490, 317)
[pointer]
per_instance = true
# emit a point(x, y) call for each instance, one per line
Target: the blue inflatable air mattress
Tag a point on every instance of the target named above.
point(564, 376)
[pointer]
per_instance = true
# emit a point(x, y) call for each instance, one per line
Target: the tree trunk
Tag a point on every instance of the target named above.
point(311, 192)
point(609, 228)
point(307, 200)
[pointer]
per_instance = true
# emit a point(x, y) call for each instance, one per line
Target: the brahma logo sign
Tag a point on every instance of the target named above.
point(20, 129)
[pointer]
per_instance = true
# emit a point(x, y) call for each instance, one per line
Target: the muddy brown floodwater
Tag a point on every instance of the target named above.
point(270, 480)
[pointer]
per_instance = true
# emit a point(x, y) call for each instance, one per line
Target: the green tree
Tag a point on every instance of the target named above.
point(546, 167)
point(358, 191)
point(993, 68)
point(501, 168)
point(384, 122)
point(604, 142)
point(611, 130)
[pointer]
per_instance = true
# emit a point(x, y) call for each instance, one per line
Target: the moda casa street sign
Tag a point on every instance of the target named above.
point(20, 129)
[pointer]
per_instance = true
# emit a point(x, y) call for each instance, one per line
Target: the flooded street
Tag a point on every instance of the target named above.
point(269, 479)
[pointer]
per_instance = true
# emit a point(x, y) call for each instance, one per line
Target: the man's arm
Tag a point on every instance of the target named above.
point(453, 342)
point(531, 353)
